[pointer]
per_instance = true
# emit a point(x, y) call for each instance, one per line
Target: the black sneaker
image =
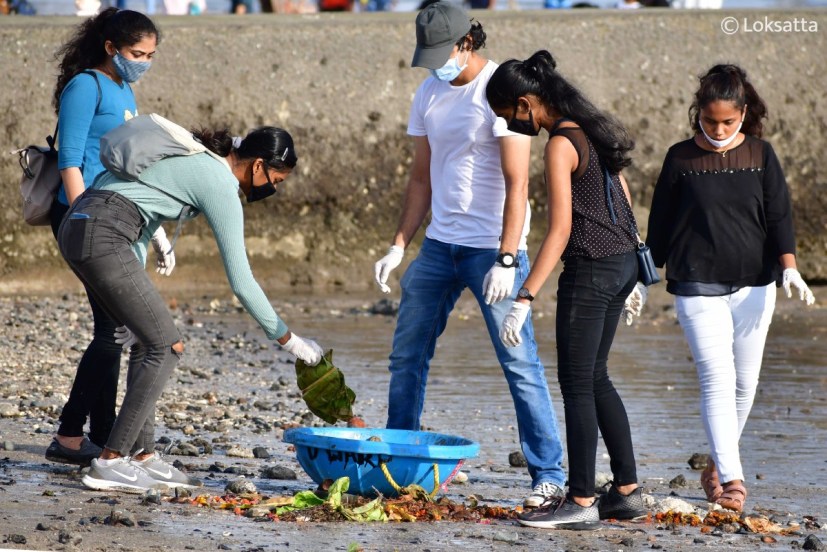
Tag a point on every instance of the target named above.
point(614, 505)
point(562, 514)
point(82, 457)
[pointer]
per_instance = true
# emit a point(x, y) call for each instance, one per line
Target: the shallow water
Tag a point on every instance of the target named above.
point(650, 365)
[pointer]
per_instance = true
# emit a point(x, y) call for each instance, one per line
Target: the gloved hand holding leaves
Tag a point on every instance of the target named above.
point(323, 389)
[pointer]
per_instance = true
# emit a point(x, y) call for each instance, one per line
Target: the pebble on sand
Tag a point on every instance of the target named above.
point(261, 452)
point(517, 460)
point(240, 452)
point(278, 472)
point(241, 487)
point(119, 517)
point(698, 461)
point(678, 482)
point(9, 410)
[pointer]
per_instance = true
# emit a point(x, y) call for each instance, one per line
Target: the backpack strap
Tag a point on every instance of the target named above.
point(52, 140)
point(100, 92)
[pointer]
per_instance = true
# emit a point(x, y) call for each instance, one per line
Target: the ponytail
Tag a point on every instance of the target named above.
point(273, 145)
point(538, 76)
point(85, 49)
point(219, 141)
point(728, 82)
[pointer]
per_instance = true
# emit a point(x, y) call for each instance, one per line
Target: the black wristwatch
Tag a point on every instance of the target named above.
point(523, 293)
point(507, 260)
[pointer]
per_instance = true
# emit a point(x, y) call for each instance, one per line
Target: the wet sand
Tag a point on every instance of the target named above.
point(234, 388)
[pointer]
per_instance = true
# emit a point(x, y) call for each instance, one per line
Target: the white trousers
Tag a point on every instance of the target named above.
point(726, 336)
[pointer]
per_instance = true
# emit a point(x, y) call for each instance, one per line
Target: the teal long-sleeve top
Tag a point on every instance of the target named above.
point(207, 185)
point(85, 115)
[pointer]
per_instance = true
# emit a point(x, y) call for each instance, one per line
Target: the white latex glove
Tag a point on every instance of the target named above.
point(634, 303)
point(513, 323)
point(305, 349)
point(164, 258)
point(383, 266)
point(498, 283)
point(124, 337)
point(793, 277)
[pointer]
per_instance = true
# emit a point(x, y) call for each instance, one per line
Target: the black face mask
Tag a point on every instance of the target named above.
point(523, 127)
point(263, 191)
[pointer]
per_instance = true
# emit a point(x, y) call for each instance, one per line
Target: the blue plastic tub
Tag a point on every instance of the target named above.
point(409, 456)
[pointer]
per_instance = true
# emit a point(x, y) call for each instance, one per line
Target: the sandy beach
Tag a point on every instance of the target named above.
point(233, 391)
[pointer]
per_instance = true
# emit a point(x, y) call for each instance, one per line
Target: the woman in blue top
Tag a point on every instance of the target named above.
point(103, 237)
point(91, 97)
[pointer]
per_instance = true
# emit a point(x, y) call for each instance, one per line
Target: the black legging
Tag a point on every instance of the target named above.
point(96, 381)
point(589, 302)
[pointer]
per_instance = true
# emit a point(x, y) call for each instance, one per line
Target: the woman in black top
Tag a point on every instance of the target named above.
point(591, 229)
point(721, 222)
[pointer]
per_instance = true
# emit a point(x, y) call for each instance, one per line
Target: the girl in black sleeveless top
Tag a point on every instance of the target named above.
point(591, 228)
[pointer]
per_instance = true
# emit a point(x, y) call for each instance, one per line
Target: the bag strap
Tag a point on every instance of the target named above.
point(608, 180)
point(52, 140)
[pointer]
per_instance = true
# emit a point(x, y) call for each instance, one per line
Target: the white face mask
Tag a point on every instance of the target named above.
point(726, 141)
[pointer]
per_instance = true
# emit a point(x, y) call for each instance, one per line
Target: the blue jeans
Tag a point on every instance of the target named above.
point(590, 299)
point(96, 238)
point(430, 289)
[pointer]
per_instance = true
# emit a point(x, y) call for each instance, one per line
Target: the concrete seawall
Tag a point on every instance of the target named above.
point(342, 85)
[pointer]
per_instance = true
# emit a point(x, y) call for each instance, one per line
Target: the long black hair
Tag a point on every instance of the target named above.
point(85, 49)
point(273, 145)
point(538, 76)
point(728, 82)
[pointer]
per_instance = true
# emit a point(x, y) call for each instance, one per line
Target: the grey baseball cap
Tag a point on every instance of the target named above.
point(438, 28)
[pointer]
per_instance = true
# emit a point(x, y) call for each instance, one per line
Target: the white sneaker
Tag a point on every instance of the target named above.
point(161, 470)
point(542, 493)
point(120, 475)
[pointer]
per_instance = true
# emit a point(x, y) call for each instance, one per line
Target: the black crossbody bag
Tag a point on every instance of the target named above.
point(647, 273)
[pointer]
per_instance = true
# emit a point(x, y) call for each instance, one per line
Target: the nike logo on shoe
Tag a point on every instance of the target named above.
point(165, 475)
point(127, 477)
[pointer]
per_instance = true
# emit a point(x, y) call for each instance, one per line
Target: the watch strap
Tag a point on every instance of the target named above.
point(514, 264)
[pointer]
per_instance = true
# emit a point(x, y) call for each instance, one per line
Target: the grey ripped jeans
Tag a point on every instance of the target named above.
point(96, 238)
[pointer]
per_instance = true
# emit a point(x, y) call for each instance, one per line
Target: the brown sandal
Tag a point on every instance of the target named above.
point(709, 481)
point(733, 497)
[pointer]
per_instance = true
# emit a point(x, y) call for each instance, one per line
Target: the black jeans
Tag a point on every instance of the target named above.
point(95, 387)
point(590, 299)
point(96, 238)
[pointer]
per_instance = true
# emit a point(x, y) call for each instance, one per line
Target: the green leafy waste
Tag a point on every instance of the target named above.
point(372, 511)
point(323, 389)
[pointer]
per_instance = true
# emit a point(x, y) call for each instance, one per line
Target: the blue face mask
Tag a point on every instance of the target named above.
point(450, 70)
point(128, 69)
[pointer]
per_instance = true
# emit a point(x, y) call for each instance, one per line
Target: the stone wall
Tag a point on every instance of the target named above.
point(342, 85)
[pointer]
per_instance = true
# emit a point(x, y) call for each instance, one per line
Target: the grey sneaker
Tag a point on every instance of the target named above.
point(161, 470)
point(542, 493)
point(614, 505)
point(563, 514)
point(120, 475)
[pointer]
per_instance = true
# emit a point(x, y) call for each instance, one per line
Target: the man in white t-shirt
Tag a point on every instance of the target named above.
point(472, 174)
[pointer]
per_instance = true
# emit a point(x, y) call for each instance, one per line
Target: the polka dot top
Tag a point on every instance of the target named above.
point(593, 232)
